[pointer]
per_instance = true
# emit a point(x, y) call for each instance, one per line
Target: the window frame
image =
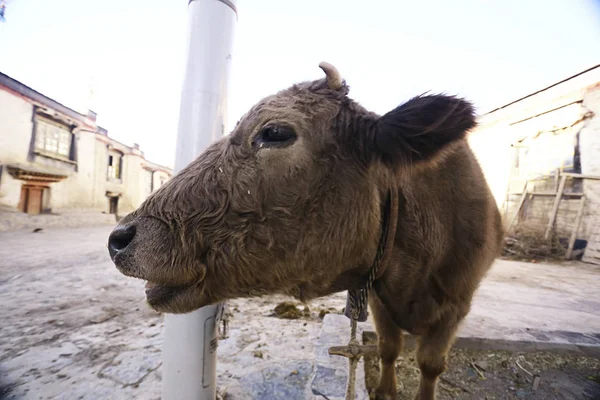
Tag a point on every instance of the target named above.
point(110, 177)
point(62, 136)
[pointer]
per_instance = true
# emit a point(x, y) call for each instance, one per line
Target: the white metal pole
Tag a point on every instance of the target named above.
point(190, 340)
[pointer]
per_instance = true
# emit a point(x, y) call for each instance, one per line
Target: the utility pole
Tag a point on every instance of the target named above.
point(190, 340)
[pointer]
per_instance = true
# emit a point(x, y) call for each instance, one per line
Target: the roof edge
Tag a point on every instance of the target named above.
point(24, 90)
point(542, 90)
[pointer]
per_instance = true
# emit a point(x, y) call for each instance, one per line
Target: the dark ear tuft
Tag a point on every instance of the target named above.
point(418, 129)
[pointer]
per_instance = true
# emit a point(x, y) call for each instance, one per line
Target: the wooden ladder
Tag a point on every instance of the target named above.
point(558, 195)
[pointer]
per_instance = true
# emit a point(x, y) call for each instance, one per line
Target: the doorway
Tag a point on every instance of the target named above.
point(32, 199)
point(113, 205)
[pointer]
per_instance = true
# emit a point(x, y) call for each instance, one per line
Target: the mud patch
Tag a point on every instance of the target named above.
point(289, 310)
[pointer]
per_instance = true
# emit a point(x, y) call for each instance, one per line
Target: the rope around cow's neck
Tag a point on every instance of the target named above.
point(357, 299)
point(356, 303)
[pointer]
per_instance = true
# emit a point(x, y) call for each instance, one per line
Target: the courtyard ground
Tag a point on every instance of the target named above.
point(74, 328)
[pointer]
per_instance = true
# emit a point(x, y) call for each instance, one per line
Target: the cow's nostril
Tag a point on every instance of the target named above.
point(119, 239)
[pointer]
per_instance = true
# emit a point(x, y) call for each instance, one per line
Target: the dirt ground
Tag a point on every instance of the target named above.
point(73, 327)
point(499, 375)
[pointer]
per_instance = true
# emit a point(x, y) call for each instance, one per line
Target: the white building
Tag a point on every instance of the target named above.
point(54, 159)
point(526, 146)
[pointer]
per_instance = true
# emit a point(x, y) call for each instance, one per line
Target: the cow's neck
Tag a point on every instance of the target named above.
point(355, 278)
point(388, 233)
point(357, 300)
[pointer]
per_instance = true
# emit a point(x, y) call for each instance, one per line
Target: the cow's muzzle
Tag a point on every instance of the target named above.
point(119, 239)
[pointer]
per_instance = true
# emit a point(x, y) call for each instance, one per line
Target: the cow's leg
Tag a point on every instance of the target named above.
point(389, 346)
point(433, 347)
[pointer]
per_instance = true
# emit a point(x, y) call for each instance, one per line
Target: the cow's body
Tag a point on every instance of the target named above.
point(440, 256)
point(292, 202)
point(438, 261)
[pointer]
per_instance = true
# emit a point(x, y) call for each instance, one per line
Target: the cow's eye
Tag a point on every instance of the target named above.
point(275, 135)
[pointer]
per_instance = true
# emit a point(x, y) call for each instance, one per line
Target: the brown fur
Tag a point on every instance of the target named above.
point(303, 217)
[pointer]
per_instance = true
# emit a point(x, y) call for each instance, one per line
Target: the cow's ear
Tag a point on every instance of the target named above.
point(418, 129)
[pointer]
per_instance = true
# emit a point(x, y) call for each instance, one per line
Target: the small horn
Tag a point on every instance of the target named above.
point(334, 79)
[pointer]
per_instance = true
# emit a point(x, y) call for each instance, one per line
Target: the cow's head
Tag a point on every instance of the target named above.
point(287, 203)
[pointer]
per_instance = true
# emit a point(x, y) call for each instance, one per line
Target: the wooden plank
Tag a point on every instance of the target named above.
point(516, 215)
point(575, 228)
point(561, 189)
point(542, 178)
point(582, 176)
point(572, 194)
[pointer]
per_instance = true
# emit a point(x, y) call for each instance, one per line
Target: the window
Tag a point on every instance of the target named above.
point(53, 138)
point(115, 163)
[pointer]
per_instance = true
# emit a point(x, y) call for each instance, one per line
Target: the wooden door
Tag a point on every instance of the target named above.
point(31, 199)
point(34, 201)
point(24, 198)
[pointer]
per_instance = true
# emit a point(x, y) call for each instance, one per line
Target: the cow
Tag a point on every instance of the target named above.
point(293, 202)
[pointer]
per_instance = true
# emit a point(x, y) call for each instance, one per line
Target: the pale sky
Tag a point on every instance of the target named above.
point(133, 52)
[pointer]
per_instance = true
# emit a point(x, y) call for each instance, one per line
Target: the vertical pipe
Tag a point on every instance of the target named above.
point(190, 340)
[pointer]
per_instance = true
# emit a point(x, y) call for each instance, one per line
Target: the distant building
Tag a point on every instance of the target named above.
point(54, 159)
point(525, 148)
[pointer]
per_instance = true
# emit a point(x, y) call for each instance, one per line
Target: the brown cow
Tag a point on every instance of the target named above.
point(292, 202)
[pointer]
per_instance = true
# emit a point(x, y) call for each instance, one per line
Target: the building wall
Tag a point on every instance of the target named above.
point(132, 185)
point(590, 134)
point(101, 185)
point(492, 148)
point(589, 142)
point(15, 127)
point(133, 180)
point(160, 178)
point(492, 144)
point(76, 190)
point(15, 136)
point(10, 190)
point(87, 185)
